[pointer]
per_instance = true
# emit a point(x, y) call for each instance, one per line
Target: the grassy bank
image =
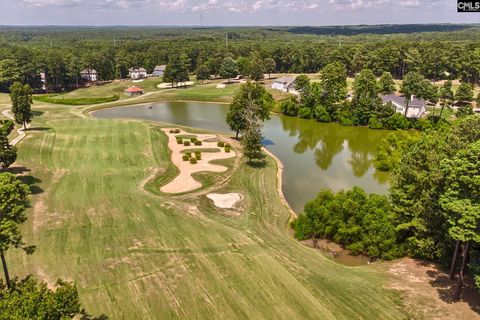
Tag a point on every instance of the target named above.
point(136, 255)
point(60, 99)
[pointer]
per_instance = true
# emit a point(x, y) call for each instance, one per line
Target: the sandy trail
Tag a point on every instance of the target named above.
point(21, 132)
point(184, 182)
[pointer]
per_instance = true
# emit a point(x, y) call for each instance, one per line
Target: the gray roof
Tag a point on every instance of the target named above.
point(89, 71)
point(400, 100)
point(160, 68)
point(137, 70)
point(286, 80)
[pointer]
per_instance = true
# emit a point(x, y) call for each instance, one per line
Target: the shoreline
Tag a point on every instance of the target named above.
point(293, 214)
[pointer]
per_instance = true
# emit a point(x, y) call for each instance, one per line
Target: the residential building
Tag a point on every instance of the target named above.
point(416, 106)
point(89, 75)
point(137, 73)
point(284, 84)
point(159, 70)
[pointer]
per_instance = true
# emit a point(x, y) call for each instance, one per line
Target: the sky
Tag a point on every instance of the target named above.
point(230, 12)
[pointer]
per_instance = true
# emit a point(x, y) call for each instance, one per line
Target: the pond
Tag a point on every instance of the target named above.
point(314, 155)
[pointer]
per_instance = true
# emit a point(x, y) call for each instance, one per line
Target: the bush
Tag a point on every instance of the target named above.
point(220, 144)
point(7, 126)
point(186, 157)
point(397, 121)
point(186, 143)
point(322, 115)
point(362, 223)
point(289, 107)
point(176, 131)
point(227, 149)
point(197, 142)
point(188, 153)
point(171, 131)
point(193, 139)
point(198, 156)
point(345, 121)
point(305, 113)
point(197, 153)
point(374, 123)
point(179, 141)
point(193, 160)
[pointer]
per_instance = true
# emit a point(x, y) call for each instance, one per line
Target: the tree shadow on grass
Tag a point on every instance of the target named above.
point(86, 316)
point(37, 113)
point(33, 129)
point(257, 164)
point(32, 182)
point(446, 289)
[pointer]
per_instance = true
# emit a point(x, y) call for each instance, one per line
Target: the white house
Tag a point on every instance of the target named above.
point(159, 70)
point(43, 79)
point(284, 84)
point(90, 75)
point(416, 107)
point(137, 73)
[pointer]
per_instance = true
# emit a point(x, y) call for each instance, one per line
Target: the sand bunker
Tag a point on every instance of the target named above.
point(165, 85)
point(184, 182)
point(224, 201)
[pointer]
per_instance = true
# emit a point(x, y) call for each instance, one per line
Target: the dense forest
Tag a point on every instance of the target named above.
point(63, 52)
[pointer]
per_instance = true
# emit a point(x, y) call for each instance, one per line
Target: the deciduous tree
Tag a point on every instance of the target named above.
point(228, 69)
point(461, 200)
point(21, 96)
point(252, 96)
point(386, 85)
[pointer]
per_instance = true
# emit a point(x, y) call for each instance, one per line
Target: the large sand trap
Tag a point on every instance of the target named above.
point(165, 85)
point(224, 201)
point(184, 182)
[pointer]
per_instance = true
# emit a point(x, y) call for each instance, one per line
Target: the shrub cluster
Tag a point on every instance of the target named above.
point(174, 130)
point(6, 126)
point(186, 157)
point(193, 160)
point(220, 144)
point(227, 148)
point(186, 143)
point(361, 223)
point(197, 142)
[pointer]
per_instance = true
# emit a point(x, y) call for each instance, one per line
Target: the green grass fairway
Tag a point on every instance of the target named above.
point(136, 255)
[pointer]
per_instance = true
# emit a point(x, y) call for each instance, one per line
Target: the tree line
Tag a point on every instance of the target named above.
point(62, 61)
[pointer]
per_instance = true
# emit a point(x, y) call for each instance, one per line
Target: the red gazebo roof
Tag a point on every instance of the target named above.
point(134, 89)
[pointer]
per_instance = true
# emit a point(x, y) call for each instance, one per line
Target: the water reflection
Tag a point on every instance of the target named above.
point(328, 140)
point(315, 155)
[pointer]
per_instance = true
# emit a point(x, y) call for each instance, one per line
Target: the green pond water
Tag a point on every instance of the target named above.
point(314, 155)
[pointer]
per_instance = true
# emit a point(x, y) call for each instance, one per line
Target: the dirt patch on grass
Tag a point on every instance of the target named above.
point(428, 292)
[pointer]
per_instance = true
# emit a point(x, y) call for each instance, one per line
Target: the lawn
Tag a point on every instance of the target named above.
point(110, 89)
point(138, 255)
